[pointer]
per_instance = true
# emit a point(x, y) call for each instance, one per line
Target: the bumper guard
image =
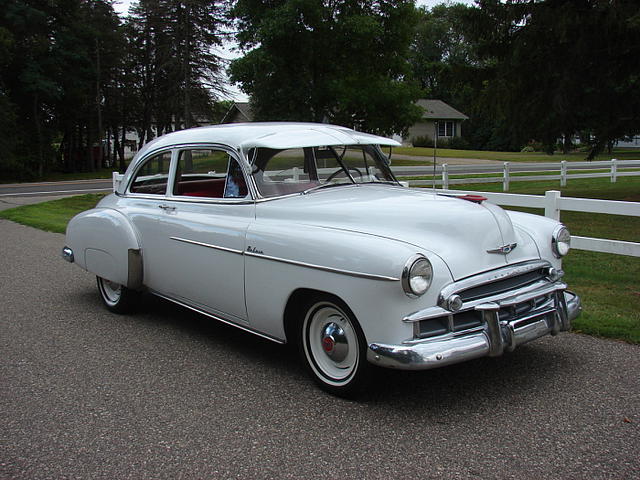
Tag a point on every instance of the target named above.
point(492, 339)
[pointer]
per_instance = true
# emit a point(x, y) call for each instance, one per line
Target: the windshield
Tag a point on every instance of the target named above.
point(294, 170)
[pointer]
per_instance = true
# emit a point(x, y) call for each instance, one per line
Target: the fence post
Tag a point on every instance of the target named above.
point(563, 173)
point(505, 177)
point(445, 176)
point(552, 204)
point(614, 170)
point(296, 174)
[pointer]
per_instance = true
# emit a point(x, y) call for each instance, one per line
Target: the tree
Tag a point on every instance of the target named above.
point(56, 58)
point(562, 66)
point(177, 74)
point(342, 61)
point(445, 62)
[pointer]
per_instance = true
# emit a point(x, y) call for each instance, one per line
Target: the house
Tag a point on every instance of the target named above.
point(438, 119)
point(629, 142)
point(239, 112)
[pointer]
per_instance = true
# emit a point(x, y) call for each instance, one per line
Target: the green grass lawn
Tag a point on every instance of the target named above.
point(51, 216)
point(619, 153)
point(608, 284)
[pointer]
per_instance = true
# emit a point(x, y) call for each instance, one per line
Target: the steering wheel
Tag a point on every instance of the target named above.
point(338, 172)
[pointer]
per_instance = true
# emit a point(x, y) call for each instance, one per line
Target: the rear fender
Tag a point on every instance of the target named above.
point(105, 243)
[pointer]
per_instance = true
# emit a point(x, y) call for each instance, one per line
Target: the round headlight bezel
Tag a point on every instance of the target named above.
point(560, 241)
point(416, 284)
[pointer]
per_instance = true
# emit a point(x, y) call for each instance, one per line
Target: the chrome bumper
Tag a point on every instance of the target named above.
point(495, 337)
point(67, 254)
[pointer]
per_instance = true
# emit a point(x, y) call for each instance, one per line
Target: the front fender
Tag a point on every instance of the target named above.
point(362, 270)
point(541, 230)
point(105, 243)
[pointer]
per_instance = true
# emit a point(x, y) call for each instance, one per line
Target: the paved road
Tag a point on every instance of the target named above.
point(77, 187)
point(166, 393)
point(74, 187)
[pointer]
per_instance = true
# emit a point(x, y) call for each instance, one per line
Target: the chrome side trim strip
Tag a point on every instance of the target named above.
point(350, 273)
point(220, 319)
point(186, 199)
point(207, 245)
point(370, 276)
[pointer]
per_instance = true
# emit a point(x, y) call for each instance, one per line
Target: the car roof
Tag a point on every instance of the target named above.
point(276, 135)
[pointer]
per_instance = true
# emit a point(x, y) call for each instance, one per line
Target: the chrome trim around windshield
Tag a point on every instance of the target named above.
point(350, 273)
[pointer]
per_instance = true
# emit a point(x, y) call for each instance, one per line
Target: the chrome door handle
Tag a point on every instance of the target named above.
point(167, 208)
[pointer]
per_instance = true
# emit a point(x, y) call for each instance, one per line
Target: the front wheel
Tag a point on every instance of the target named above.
point(117, 298)
point(333, 347)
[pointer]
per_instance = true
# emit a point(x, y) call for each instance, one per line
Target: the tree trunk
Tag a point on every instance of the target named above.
point(36, 120)
point(98, 160)
point(187, 69)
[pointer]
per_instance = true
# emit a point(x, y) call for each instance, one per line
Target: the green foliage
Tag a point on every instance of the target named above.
point(51, 216)
point(457, 143)
point(178, 74)
point(424, 141)
point(71, 72)
point(338, 61)
point(56, 57)
point(556, 68)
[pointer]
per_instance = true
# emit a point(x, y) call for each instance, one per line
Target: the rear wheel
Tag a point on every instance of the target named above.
point(333, 347)
point(117, 298)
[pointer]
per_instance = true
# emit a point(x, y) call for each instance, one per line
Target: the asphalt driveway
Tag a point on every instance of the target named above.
point(166, 393)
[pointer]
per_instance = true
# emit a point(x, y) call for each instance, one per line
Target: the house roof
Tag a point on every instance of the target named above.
point(438, 110)
point(243, 109)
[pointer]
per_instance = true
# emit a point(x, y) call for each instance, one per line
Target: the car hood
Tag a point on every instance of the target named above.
point(459, 231)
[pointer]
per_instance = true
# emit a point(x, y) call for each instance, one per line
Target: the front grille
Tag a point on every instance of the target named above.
point(501, 286)
point(458, 323)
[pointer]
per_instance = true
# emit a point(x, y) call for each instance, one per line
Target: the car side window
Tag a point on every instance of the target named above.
point(152, 177)
point(209, 173)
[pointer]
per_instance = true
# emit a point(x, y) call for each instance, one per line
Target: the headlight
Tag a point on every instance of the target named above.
point(560, 241)
point(416, 276)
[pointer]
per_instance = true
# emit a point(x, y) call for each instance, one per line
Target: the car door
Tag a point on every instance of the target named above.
point(202, 226)
point(145, 194)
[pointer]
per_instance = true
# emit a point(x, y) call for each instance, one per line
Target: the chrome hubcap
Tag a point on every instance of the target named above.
point(334, 342)
point(331, 343)
point(112, 291)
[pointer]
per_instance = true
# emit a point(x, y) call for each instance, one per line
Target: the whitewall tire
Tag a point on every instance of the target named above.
point(116, 297)
point(333, 346)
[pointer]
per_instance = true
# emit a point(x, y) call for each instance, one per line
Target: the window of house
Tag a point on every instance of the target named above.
point(446, 129)
point(151, 178)
point(209, 173)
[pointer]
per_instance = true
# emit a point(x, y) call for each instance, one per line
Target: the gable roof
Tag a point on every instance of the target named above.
point(239, 112)
point(438, 110)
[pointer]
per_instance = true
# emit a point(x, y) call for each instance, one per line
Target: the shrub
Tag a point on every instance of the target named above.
point(458, 143)
point(425, 141)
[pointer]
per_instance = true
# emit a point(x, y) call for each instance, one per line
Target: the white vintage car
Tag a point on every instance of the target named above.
point(300, 233)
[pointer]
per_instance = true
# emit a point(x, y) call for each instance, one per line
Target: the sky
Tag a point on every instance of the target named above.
point(122, 7)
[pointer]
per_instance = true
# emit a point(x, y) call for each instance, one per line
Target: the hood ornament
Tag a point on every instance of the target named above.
point(504, 249)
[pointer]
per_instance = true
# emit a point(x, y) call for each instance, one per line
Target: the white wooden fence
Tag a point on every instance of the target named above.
point(565, 171)
point(553, 203)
